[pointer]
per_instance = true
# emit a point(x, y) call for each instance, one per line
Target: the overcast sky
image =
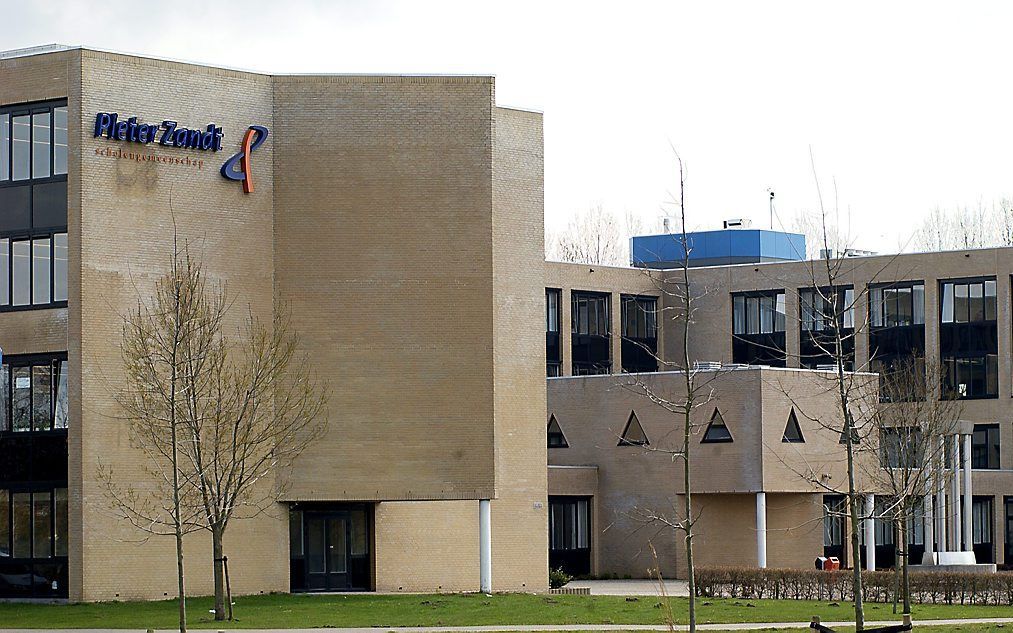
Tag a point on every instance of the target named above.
point(906, 106)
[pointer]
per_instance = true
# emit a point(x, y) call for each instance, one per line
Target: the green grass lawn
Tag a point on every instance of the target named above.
point(308, 611)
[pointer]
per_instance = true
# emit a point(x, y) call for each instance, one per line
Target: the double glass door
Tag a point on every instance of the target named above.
point(330, 548)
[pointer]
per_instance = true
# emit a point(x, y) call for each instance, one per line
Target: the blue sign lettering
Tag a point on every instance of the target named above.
point(109, 125)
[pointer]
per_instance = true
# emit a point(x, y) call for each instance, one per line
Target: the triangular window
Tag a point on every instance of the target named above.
point(792, 431)
point(717, 430)
point(633, 434)
point(556, 437)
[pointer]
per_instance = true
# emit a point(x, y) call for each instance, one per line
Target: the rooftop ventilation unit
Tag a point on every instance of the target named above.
point(735, 366)
point(826, 367)
point(737, 223)
point(706, 365)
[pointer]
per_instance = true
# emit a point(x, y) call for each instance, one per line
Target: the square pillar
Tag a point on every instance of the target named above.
point(955, 493)
point(968, 497)
point(870, 532)
point(761, 530)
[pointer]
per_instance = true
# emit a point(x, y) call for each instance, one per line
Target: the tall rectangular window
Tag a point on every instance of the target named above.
point(5, 526)
point(41, 157)
point(21, 147)
point(21, 278)
point(21, 398)
point(60, 140)
point(42, 397)
point(42, 527)
point(5, 147)
point(5, 272)
point(760, 313)
point(60, 267)
point(60, 522)
point(21, 525)
point(41, 281)
point(552, 310)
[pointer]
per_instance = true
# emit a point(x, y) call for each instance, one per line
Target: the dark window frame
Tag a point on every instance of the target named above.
point(30, 236)
point(977, 448)
point(968, 281)
point(29, 109)
point(11, 362)
point(897, 286)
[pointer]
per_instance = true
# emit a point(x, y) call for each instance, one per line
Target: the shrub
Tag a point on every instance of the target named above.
point(878, 586)
point(558, 578)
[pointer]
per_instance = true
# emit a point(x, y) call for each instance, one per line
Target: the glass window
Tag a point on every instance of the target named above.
point(336, 546)
point(21, 256)
point(738, 315)
point(316, 542)
point(5, 272)
point(42, 528)
point(763, 313)
point(5, 526)
point(5, 423)
point(60, 267)
point(60, 140)
point(41, 289)
point(5, 146)
point(42, 397)
point(638, 316)
point(21, 526)
point(360, 533)
point(295, 535)
point(551, 310)
point(969, 302)
point(60, 522)
point(985, 446)
point(972, 377)
point(21, 404)
point(61, 411)
point(918, 303)
point(981, 520)
point(947, 303)
point(21, 150)
point(41, 157)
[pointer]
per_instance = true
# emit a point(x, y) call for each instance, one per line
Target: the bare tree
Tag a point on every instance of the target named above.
point(595, 236)
point(242, 405)
point(965, 227)
point(157, 336)
point(909, 423)
point(694, 392)
point(820, 234)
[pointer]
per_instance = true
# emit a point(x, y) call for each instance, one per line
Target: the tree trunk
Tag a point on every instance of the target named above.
point(688, 492)
point(217, 550)
point(905, 560)
point(856, 525)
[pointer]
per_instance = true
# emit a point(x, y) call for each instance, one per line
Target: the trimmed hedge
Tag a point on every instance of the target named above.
point(877, 586)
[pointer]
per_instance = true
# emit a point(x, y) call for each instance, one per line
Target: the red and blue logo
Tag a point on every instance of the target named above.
point(238, 166)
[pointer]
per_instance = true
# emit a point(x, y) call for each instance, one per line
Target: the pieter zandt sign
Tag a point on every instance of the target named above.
point(171, 134)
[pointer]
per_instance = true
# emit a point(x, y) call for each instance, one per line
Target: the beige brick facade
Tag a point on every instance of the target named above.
point(400, 220)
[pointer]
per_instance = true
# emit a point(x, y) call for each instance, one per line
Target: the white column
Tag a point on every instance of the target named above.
point(955, 492)
point(968, 499)
point(485, 545)
point(870, 533)
point(761, 529)
point(929, 521)
point(939, 482)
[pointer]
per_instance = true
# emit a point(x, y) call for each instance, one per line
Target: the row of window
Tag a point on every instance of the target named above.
point(33, 272)
point(33, 395)
point(33, 525)
point(33, 142)
point(898, 304)
point(590, 324)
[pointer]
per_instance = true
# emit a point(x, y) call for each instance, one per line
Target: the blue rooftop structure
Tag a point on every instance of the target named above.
point(717, 248)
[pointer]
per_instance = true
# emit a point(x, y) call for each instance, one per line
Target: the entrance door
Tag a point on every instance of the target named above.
point(326, 552)
point(329, 547)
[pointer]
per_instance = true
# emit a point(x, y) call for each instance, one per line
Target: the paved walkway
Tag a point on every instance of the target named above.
point(631, 587)
point(750, 626)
